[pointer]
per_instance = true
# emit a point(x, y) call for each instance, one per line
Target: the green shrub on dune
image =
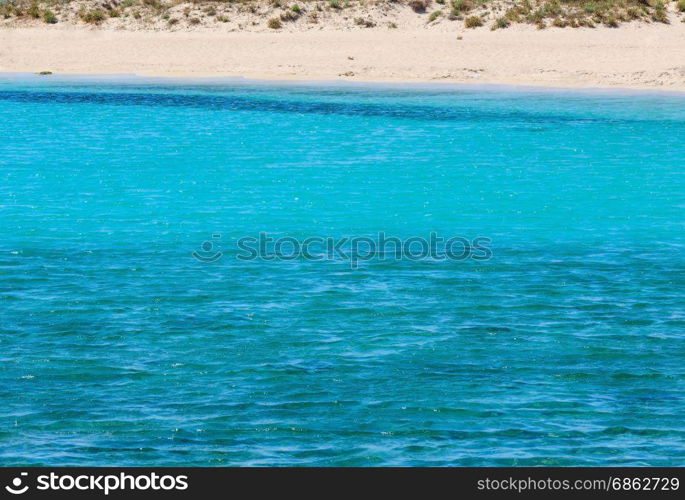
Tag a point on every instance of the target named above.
point(434, 16)
point(33, 10)
point(94, 16)
point(49, 17)
point(462, 5)
point(500, 23)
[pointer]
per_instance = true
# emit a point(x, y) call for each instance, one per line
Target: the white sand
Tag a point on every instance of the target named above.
point(644, 56)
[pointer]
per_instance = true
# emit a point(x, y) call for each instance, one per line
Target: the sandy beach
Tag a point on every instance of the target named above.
point(639, 56)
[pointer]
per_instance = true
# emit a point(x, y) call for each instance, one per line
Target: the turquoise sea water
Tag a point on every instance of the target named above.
point(117, 347)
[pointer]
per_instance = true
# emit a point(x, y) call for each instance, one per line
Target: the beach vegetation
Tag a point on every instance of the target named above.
point(611, 21)
point(363, 22)
point(434, 16)
point(49, 17)
point(660, 15)
point(500, 23)
point(33, 11)
point(418, 6)
point(515, 14)
point(634, 13)
point(6, 9)
point(462, 5)
point(93, 16)
point(681, 5)
point(585, 13)
point(154, 4)
point(473, 21)
point(289, 15)
point(499, 14)
point(275, 23)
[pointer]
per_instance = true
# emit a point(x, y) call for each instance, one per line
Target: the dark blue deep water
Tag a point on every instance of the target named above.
point(118, 347)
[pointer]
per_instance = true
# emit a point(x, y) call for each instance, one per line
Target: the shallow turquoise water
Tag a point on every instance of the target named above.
point(117, 347)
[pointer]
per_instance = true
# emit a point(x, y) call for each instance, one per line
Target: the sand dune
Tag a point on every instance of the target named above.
point(641, 56)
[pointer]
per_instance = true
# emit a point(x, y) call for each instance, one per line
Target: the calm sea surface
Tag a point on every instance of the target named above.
point(118, 347)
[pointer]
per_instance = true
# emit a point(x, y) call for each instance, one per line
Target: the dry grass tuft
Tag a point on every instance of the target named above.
point(473, 22)
point(275, 23)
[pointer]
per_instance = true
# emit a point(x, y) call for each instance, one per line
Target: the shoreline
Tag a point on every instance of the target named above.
point(634, 57)
point(418, 85)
